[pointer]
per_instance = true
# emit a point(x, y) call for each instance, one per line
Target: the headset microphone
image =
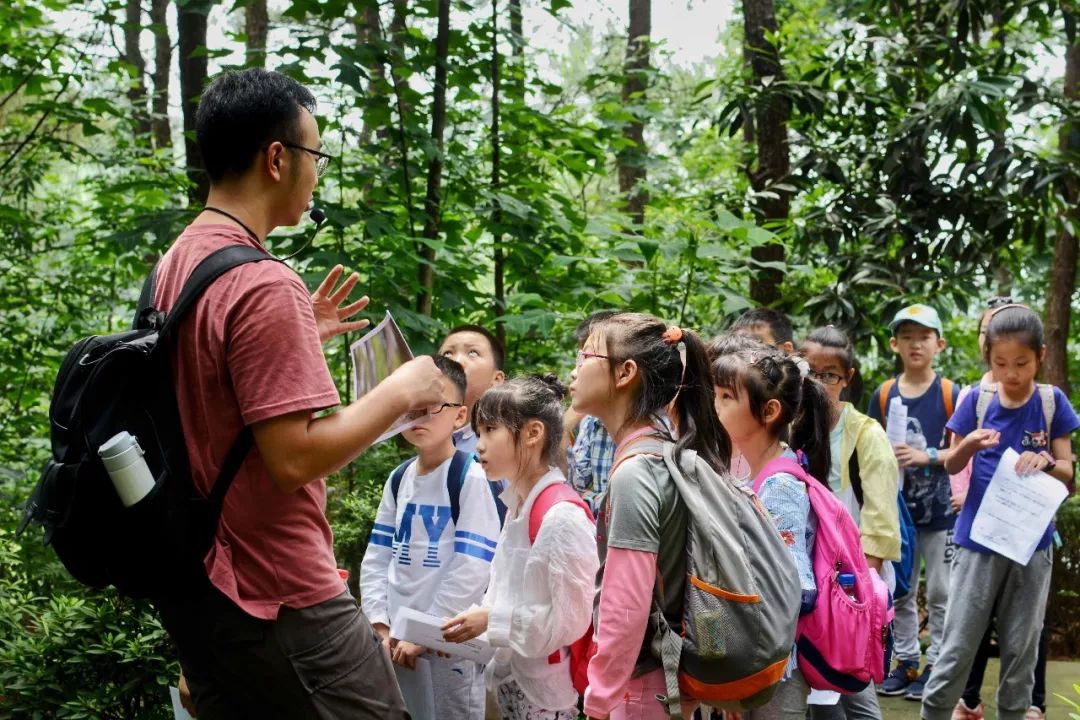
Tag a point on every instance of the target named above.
point(319, 217)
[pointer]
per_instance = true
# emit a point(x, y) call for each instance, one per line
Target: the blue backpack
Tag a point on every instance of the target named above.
point(902, 567)
point(455, 479)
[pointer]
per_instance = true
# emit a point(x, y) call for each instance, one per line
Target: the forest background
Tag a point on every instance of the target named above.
point(835, 160)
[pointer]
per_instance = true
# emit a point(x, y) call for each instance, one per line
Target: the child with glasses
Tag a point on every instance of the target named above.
point(430, 550)
point(863, 475)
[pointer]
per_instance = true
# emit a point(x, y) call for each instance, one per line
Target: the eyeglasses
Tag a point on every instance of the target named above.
point(582, 356)
point(998, 301)
point(436, 410)
point(827, 378)
point(322, 160)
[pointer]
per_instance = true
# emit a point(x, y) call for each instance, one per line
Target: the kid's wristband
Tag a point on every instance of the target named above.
point(1050, 459)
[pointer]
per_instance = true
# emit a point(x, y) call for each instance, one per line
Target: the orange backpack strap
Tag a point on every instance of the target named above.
point(883, 399)
point(947, 396)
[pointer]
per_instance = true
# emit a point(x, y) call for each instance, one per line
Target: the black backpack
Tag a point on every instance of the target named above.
point(108, 384)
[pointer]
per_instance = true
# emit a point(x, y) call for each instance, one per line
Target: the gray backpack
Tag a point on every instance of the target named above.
point(742, 593)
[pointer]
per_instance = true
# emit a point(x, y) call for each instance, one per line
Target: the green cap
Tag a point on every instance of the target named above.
point(920, 314)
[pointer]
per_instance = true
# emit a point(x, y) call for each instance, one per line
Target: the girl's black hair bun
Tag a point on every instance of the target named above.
point(554, 384)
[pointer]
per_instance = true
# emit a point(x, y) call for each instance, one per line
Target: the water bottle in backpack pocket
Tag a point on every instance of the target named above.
point(840, 643)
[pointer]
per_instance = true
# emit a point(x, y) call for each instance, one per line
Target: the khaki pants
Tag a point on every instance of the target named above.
point(320, 662)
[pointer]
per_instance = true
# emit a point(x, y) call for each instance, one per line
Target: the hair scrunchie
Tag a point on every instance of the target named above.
point(803, 365)
point(672, 335)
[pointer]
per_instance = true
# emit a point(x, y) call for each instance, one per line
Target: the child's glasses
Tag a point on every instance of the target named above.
point(582, 356)
point(827, 378)
point(436, 409)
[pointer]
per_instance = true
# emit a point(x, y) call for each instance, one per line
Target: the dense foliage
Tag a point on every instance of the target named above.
point(925, 166)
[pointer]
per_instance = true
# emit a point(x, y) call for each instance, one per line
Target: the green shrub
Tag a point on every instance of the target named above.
point(82, 654)
point(1063, 610)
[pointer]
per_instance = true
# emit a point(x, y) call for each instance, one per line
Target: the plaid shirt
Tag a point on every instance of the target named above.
point(590, 460)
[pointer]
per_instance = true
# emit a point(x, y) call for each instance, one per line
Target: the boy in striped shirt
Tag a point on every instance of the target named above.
point(430, 550)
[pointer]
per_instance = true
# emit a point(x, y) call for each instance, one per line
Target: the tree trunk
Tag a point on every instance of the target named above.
point(771, 117)
point(368, 27)
point(191, 26)
point(433, 197)
point(400, 83)
point(256, 25)
point(631, 161)
point(1063, 268)
point(133, 56)
point(499, 261)
point(162, 65)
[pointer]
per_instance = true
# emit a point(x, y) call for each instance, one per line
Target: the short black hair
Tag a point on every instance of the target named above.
point(900, 326)
point(497, 351)
point(778, 322)
point(453, 370)
point(243, 111)
point(585, 327)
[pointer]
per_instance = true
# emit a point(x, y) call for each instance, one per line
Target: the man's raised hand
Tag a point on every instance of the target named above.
point(330, 317)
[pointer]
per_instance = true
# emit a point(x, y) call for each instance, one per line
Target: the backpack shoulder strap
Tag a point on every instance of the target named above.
point(947, 396)
point(779, 465)
point(650, 446)
point(1049, 406)
point(883, 399)
point(455, 480)
point(146, 296)
point(205, 273)
point(986, 394)
point(397, 476)
point(855, 476)
point(208, 270)
point(550, 496)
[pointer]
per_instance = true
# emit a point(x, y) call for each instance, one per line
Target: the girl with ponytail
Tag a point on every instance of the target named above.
point(632, 369)
point(771, 407)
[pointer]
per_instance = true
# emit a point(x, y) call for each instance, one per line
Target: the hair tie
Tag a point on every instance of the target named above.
point(803, 365)
point(672, 335)
point(994, 311)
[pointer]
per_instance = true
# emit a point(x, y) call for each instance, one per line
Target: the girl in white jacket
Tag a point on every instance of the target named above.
point(540, 596)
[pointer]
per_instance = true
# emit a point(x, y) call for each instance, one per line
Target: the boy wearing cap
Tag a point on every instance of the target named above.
point(930, 399)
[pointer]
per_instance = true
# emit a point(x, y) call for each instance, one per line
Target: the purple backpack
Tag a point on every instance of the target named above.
point(840, 642)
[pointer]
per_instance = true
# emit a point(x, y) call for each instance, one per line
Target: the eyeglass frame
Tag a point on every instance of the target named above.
point(821, 377)
point(322, 160)
point(444, 406)
point(582, 356)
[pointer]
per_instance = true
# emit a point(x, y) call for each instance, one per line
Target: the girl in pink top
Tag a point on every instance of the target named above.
point(959, 482)
point(630, 370)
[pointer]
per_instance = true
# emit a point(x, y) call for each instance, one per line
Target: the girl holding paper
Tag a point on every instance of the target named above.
point(540, 597)
point(1036, 422)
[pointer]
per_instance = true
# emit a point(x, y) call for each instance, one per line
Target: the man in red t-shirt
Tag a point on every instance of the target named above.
point(274, 633)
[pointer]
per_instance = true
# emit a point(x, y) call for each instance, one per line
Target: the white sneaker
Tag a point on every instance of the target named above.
point(1034, 713)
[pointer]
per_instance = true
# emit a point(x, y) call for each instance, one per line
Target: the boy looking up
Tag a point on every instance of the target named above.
point(769, 326)
point(430, 550)
point(477, 350)
point(930, 399)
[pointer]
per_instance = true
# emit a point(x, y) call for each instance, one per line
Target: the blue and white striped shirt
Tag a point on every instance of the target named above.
point(417, 556)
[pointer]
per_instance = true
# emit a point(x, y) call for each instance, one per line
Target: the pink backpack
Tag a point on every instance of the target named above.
point(840, 642)
point(582, 649)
